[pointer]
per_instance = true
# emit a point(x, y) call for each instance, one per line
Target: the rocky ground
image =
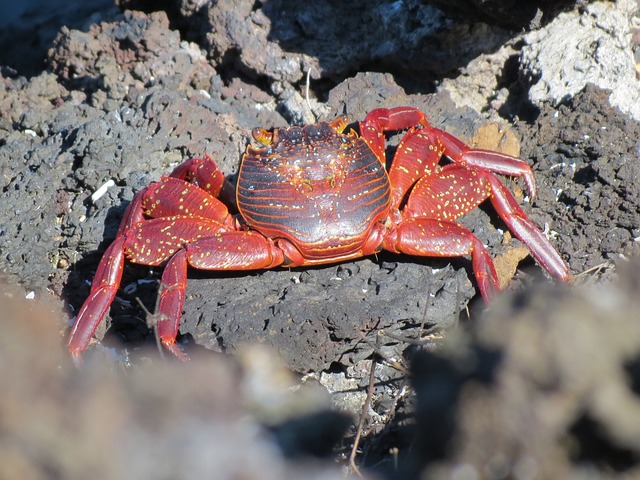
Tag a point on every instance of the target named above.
point(116, 96)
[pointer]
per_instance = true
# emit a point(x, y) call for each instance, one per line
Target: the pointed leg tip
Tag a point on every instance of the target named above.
point(175, 349)
point(489, 291)
point(76, 358)
point(568, 278)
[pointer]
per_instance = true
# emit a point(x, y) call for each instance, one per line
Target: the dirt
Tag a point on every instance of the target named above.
point(134, 93)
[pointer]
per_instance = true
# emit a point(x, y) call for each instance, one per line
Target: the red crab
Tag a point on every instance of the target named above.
point(312, 195)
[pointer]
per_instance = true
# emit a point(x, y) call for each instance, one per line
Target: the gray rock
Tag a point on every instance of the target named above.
point(579, 48)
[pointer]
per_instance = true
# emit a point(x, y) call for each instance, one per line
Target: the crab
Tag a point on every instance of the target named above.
point(315, 195)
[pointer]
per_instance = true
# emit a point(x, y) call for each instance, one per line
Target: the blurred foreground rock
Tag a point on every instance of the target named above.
point(162, 421)
point(546, 386)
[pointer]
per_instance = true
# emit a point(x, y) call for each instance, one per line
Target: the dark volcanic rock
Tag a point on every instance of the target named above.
point(513, 14)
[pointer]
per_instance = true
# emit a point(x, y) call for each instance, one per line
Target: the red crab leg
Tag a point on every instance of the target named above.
point(496, 162)
point(234, 250)
point(103, 290)
point(417, 156)
point(190, 192)
point(101, 297)
point(404, 118)
point(398, 118)
point(162, 198)
point(382, 120)
point(105, 283)
point(225, 250)
point(456, 190)
point(435, 238)
point(526, 231)
point(202, 172)
point(208, 245)
point(172, 196)
point(172, 293)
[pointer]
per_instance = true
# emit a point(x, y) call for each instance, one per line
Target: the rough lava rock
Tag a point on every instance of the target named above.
point(546, 386)
point(589, 150)
point(512, 14)
point(598, 51)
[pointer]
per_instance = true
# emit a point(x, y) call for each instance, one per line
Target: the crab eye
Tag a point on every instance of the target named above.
point(262, 136)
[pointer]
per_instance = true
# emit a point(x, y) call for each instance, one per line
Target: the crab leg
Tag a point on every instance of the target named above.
point(382, 120)
point(105, 283)
point(406, 118)
point(448, 194)
point(222, 251)
point(417, 157)
point(436, 238)
point(235, 250)
point(103, 291)
point(204, 173)
point(526, 231)
point(172, 197)
point(463, 187)
point(167, 197)
point(456, 190)
point(398, 118)
point(172, 293)
point(208, 244)
point(496, 162)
